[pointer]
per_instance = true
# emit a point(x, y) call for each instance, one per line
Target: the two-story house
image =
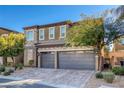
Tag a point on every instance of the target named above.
point(6, 31)
point(116, 53)
point(45, 44)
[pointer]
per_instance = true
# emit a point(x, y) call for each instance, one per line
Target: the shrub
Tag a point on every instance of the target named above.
point(19, 66)
point(2, 68)
point(121, 70)
point(31, 62)
point(110, 66)
point(108, 77)
point(6, 73)
point(10, 64)
point(118, 70)
point(99, 75)
point(107, 66)
point(10, 70)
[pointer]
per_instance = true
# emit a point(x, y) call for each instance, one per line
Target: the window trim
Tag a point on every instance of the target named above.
point(43, 34)
point(61, 31)
point(32, 35)
point(53, 33)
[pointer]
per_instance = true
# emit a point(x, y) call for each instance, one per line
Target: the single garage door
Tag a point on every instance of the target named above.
point(47, 60)
point(77, 60)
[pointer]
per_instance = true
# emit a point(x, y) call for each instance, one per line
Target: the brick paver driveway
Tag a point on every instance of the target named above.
point(56, 77)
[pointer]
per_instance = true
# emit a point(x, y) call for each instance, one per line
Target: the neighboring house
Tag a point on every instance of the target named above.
point(5, 32)
point(117, 54)
point(45, 44)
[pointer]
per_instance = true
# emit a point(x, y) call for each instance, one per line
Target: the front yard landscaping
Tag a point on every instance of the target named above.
point(110, 78)
point(95, 83)
point(7, 70)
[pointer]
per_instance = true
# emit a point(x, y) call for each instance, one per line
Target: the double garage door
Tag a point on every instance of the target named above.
point(69, 60)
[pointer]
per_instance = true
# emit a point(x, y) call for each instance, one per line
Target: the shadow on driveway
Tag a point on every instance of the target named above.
point(2, 80)
point(34, 85)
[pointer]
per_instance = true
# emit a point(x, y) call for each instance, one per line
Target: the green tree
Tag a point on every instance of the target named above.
point(87, 32)
point(11, 45)
point(90, 31)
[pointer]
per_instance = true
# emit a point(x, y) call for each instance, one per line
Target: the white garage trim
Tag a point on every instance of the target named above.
point(66, 49)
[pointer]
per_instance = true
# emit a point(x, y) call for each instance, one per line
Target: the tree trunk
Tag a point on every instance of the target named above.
point(13, 61)
point(5, 61)
point(100, 63)
point(100, 60)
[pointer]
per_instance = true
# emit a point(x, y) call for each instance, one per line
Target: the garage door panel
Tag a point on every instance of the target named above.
point(47, 60)
point(83, 67)
point(76, 60)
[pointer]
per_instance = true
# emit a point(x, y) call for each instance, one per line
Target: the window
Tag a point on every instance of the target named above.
point(62, 31)
point(29, 35)
point(51, 32)
point(41, 34)
point(122, 41)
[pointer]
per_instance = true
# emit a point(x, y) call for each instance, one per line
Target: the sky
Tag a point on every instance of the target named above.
point(17, 17)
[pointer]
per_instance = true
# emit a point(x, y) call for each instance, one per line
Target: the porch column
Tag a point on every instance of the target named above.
point(56, 60)
point(35, 57)
point(25, 57)
point(39, 64)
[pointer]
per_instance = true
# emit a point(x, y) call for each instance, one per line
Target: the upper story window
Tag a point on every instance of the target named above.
point(51, 32)
point(41, 34)
point(62, 31)
point(29, 35)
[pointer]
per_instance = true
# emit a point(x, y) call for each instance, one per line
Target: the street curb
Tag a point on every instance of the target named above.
point(55, 85)
point(10, 77)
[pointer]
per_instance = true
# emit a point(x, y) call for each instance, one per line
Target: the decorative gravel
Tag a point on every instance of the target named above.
point(95, 83)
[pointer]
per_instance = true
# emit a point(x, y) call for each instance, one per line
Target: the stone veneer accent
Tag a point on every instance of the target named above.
point(29, 55)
